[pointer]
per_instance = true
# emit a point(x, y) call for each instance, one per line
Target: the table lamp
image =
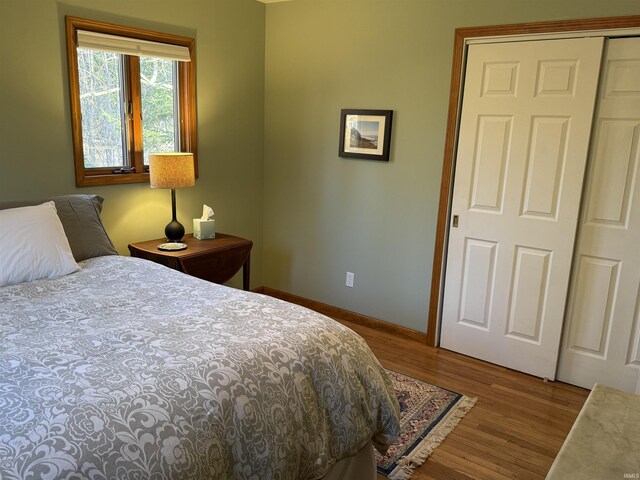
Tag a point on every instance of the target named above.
point(172, 170)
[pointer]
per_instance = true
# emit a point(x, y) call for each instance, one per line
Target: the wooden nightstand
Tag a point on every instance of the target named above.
point(216, 259)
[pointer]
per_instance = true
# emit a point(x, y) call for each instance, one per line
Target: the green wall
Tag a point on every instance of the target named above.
point(36, 158)
point(325, 215)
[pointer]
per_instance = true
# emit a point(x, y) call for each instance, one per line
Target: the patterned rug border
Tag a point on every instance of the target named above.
point(433, 435)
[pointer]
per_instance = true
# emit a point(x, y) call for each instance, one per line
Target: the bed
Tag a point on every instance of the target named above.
point(126, 369)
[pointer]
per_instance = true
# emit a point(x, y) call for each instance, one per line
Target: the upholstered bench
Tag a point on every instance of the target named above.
point(604, 442)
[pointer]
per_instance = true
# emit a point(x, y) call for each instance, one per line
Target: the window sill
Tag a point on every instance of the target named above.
point(112, 179)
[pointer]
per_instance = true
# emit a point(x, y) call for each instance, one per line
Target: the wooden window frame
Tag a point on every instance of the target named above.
point(462, 35)
point(186, 93)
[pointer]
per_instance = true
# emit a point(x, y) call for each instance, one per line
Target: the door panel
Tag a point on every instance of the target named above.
point(634, 343)
point(602, 333)
point(530, 284)
point(596, 287)
point(556, 77)
point(490, 159)
point(524, 131)
point(477, 283)
point(545, 166)
point(612, 177)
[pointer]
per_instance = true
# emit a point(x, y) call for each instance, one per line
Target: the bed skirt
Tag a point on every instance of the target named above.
point(362, 466)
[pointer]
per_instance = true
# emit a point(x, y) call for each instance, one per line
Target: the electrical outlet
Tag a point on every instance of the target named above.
point(350, 279)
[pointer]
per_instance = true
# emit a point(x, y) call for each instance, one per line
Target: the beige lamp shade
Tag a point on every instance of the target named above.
point(171, 170)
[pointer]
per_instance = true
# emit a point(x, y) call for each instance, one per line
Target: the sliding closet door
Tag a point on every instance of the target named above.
point(602, 333)
point(524, 133)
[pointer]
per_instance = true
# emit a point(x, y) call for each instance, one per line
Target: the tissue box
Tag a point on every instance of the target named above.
point(203, 229)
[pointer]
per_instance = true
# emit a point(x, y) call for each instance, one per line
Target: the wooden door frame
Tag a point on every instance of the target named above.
point(462, 35)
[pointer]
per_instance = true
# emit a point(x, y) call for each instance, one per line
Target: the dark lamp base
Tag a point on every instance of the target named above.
point(174, 231)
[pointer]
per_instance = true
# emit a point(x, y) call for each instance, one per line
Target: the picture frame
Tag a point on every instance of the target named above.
point(365, 134)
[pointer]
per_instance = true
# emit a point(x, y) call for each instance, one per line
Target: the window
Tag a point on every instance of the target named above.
point(132, 93)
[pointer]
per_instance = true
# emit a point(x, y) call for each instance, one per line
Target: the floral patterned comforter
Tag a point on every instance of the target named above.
point(129, 370)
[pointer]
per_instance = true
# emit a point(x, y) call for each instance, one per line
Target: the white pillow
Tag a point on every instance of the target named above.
point(33, 245)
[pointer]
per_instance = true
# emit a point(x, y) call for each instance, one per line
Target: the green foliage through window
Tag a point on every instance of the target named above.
point(103, 104)
point(101, 99)
point(158, 94)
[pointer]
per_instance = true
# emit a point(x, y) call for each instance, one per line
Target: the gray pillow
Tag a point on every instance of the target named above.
point(80, 218)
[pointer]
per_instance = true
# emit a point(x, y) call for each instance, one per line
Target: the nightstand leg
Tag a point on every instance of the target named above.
point(246, 273)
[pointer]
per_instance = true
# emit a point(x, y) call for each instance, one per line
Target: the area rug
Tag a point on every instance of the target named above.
point(427, 415)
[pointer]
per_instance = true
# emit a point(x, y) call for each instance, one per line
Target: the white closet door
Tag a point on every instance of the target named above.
point(602, 333)
point(524, 135)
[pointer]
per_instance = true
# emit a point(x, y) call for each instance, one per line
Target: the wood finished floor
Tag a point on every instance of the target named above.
point(516, 428)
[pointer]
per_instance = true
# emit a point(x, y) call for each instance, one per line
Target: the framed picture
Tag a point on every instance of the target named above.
point(365, 134)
